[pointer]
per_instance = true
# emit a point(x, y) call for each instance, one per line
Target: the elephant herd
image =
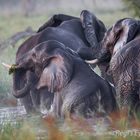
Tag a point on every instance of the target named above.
point(53, 73)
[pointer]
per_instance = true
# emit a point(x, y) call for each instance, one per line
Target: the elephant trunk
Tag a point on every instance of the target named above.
point(21, 75)
point(103, 56)
point(21, 83)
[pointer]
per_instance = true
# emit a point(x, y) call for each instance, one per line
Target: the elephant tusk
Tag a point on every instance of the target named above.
point(11, 68)
point(7, 65)
point(94, 61)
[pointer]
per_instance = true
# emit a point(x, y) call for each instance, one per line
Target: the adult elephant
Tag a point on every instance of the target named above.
point(65, 29)
point(120, 48)
point(77, 89)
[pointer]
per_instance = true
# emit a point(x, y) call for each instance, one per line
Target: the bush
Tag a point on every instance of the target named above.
point(133, 6)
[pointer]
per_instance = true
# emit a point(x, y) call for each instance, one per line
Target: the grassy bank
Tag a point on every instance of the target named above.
point(36, 128)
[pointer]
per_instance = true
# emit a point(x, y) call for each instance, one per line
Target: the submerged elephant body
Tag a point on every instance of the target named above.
point(77, 89)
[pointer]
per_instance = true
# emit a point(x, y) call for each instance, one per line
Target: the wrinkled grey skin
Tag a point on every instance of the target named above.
point(55, 21)
point(77, 89)
point(63, 28)
point(90, 24)
point(35, 100)
point(120, 48)
point(94, 37)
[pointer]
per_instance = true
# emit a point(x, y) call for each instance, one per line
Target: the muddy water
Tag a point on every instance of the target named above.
point(16, 115)
point(11, 114)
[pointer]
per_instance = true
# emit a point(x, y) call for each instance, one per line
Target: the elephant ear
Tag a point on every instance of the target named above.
point(127, 32)
point(56, 74)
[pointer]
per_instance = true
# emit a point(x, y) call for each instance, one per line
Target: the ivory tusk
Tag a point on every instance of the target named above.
point(94, 61)
point(7, 65)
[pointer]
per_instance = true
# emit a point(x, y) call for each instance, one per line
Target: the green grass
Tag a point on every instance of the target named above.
point(75, 129)
point(111, 17)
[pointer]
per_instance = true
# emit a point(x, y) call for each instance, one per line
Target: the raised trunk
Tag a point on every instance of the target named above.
point(21, 83)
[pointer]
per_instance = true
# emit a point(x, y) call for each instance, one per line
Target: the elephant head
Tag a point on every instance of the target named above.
point(122, 32)
point(57, 65)
point(50, 68)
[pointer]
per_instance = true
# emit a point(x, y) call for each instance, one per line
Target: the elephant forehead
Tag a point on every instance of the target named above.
point(128, 21)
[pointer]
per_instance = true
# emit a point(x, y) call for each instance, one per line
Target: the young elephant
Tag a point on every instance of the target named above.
point(77, 89)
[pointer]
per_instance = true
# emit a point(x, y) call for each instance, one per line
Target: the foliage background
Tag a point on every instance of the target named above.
point(133, 6)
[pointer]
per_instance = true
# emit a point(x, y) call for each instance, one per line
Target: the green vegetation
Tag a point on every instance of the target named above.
point(48, 128)
point(133, 6)
point(18, 132)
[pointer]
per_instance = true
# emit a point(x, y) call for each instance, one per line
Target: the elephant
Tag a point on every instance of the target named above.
point(94, 38)
point(120, 48)
point(36, 100)
point(77, 89)
point(63, 28)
